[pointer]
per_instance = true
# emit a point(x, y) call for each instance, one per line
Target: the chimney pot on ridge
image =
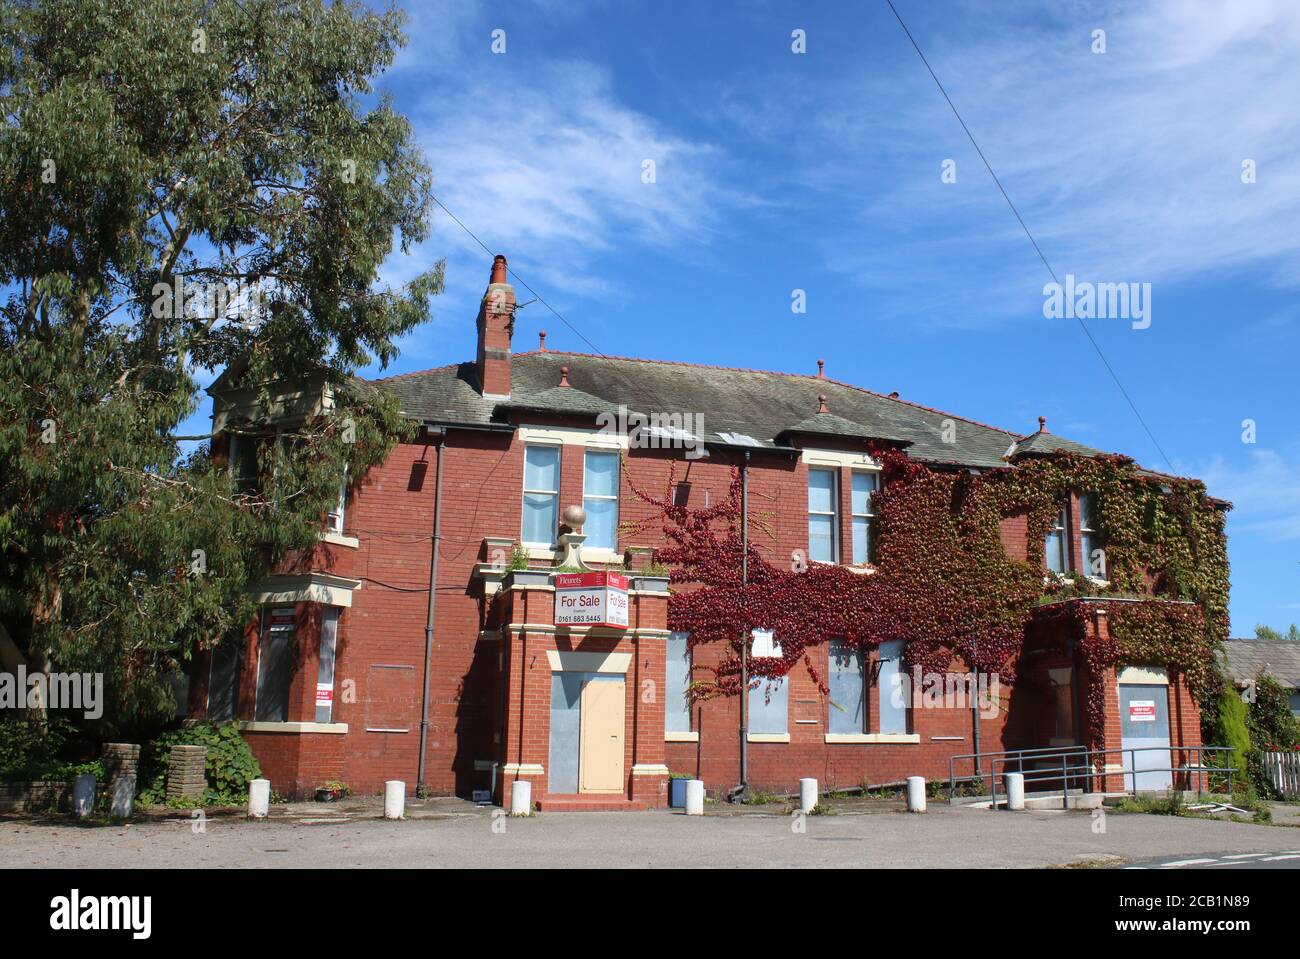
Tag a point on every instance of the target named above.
point(821, 400)
point(821, 369)
point(1042, 424)
point(564, 376)
point(496, 325)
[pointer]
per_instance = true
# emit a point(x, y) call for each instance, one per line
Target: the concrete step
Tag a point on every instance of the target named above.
point(588, 803)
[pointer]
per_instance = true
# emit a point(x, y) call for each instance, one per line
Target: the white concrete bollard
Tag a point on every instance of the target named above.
point(1015, 790)
point(521, 798)
point(807, 795)
point(394, 799)
point(695, 797)
point(122, 802)
point(83, 795)
point(259, 798)
point(916, 794)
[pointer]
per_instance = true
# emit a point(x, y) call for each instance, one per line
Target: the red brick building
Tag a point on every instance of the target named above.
point(354, 660)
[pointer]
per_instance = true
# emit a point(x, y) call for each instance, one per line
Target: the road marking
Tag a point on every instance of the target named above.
point(1239, 862)
point(1245, 855)
point(1276, 858)
point(1184, 862)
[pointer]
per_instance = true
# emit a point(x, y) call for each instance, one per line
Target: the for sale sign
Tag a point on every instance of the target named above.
point(1142, 711)
point(591, 599)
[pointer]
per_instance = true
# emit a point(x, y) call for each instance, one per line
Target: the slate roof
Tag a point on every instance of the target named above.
point(1280, 658)
point(1050, 443)
point(738, 407)
point(828, 424)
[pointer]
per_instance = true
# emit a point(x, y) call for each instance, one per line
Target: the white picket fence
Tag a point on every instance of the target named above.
point(1283, 771)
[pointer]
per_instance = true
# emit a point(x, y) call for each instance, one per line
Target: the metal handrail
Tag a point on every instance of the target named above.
point(1050, 750)
point(1067, 771)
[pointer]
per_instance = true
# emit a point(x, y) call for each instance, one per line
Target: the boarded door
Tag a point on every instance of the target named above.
point(1144, 722)
point(601, 751)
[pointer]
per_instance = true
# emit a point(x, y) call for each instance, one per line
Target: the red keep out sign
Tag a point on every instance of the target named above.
point(1142, 711)
point(591, 599)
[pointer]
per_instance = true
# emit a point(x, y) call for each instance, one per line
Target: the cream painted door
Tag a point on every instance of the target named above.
point(600, 757)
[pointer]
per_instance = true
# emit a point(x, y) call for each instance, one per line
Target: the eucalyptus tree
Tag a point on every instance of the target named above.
point(186, 186)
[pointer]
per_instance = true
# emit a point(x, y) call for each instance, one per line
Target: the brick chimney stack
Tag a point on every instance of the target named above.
point(496, 323)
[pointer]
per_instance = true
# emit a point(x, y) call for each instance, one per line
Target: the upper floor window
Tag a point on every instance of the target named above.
point(243, 462)
point(600, 499)
point(334, 519)
point(864, 516)
point(541, 495)
point(1057, 555)
point(1094, 560)
point(823, 517)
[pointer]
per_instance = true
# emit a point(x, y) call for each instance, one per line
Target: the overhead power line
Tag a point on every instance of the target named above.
point(1037, 249)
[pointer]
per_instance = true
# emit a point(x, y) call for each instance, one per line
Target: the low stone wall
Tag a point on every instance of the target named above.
point(35, 797)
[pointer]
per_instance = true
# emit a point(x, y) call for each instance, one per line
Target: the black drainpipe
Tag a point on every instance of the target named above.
point(440, 434)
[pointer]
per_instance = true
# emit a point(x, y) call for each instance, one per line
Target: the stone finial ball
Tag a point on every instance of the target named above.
point(574, 516)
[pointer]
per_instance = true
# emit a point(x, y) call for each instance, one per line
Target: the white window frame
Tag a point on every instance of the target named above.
point(1061, 524)
point(870, 515)
point(336, 517)
point(834, 514)
point(555, 494)
point(587, 451)
point(688, 734)
point(1088, 534)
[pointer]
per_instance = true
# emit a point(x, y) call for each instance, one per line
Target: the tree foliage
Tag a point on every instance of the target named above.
point(235, 152)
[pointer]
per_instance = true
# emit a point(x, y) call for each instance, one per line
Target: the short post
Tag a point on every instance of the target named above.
point(83, 795)
point(521, 798)
point(259, 798)
point(807, 795)
point(123, 798)
point(695, 797)
point(916, 794)
point(394, 799)
point(1015, 790)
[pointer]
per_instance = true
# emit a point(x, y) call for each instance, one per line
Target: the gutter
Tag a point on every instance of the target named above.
point(440, 434)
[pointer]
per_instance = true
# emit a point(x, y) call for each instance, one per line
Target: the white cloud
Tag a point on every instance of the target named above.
point(1265, 493)
point(1125, 165)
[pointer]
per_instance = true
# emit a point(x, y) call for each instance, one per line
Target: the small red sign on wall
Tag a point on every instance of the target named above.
point(1142, 711)
point(591, 599)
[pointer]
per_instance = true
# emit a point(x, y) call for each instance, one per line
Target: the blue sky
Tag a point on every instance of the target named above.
point(820, 171)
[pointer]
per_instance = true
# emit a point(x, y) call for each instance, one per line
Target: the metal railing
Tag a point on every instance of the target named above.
point(1087, 770)
point(981, 776)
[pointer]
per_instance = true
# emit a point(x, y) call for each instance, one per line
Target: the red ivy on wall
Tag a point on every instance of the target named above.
point(943, 583)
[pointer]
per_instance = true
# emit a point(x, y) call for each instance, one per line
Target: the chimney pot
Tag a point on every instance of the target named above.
point(1042, 424)
point(496, 323)
point(821, 369)
point(564, 376)
point(821, 401)
point(541, 341)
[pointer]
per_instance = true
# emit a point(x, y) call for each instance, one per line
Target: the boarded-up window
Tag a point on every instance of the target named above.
point(329, 631)
point(848, 686)
point(677, 709)
point(223, 680)
point(391, 702)
point(275, 660)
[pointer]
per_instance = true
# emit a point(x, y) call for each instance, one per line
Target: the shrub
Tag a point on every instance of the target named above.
point(1272, 729)
point(1230, 729)
point(32, 751)
point(230, 766)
